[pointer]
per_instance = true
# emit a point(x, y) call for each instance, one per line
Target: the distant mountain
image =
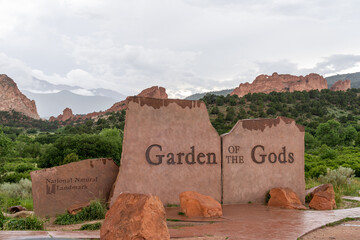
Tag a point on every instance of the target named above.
point(197, 96)
point(354, 77)
point(53, 104)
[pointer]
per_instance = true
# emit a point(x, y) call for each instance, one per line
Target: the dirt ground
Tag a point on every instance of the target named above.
point(348, 230)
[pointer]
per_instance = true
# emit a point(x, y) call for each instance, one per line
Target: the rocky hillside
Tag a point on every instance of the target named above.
point(281, 83)
point(11, 99)
point(152, 92)
point(353, 77)
point(341, 85)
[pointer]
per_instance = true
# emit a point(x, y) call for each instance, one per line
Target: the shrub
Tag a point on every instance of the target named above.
point(15, 177)
point(2, 219)
point(338, 177)
point(23, 167)
point(95, 211)
point(17, 190)
point(71, 157)
point(91, 226)
point(28, 223)
point(327, 152)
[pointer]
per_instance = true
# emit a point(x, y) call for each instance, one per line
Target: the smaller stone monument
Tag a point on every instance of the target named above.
point(261, 154)
point(57, 188)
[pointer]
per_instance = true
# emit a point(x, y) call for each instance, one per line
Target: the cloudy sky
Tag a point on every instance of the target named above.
point(186, 46)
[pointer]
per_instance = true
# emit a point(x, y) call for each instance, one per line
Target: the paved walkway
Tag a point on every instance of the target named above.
point(352, 198)
point(248, 221)
point(253, 221)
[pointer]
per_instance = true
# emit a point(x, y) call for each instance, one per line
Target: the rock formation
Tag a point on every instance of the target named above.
point(341, 85)
point(12, 99)
point(152, 92)
point(323, 198)
point(194, 204)
point(284, 198)
point(67, 114)
point(135, 216)
point(281, 83)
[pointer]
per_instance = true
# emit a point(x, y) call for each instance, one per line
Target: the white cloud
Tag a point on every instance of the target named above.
point(186, 46)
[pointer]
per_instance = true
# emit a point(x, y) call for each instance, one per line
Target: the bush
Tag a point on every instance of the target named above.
point(28, 223)
point(339, 177)
point(17, 190)
point(95, 211)
point(23, 167)
point(326, 152)
point(91, 226)
point(15, 177)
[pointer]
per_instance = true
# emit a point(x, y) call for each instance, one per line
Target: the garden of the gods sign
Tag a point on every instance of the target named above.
point(170, 146)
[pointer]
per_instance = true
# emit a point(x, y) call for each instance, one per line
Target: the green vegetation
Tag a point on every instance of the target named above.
point(91, 226)
point(343, 181)
point(28, 223)
point(341, 221)
point(12, 194)
point(95, 211)
point(332, 139)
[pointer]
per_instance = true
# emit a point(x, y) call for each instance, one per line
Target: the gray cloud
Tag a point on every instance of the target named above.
point(186, 46)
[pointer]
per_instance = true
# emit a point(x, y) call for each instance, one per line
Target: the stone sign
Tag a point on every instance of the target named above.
point(262, 154)
point(57, 188)
point(169, 147)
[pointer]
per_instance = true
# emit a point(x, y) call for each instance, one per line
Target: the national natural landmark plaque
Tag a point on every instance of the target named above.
point(57, 188)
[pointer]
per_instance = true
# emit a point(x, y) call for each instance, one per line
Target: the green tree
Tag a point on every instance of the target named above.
point(5, 144)
point(329, 133)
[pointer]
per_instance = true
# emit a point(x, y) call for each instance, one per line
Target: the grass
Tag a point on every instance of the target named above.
point(28, 223)
point(172, 220)
point(95, 211)
point(90, 226)
point(341, 221)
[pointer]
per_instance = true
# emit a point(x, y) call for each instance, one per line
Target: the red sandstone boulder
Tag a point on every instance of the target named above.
point(341, 85)
point(135, 216)
point(309, 193)
point(284, 198)
point(323, 198)
point(281, 83)
point(194, 204)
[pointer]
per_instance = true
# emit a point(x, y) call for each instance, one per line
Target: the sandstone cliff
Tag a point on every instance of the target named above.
point(12, 99)
point(67, 114)
point(152, 92)
point(341, 85)
point(281, 83)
